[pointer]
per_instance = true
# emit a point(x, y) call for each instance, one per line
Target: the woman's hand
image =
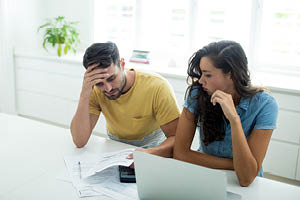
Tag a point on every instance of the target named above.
point(227, 104)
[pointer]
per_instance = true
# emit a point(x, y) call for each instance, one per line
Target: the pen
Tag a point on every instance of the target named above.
point(79, 167)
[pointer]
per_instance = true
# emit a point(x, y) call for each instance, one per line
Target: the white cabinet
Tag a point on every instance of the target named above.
point(281, 159)
point(298, 167)
point(282, 156)
point(286, 126)
point(47, 89)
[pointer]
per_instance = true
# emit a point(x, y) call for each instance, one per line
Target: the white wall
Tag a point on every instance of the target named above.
point(19, 22)
point(26, 21)
point(30, 14)
point(7, 79)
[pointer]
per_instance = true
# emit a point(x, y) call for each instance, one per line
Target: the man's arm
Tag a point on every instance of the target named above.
point(167, 113)
point(83, 122)
point(165, 149)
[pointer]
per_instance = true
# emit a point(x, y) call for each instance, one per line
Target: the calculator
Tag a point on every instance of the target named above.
point(127, 174)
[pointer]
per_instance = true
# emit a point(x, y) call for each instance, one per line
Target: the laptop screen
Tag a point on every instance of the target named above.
point(166, 178)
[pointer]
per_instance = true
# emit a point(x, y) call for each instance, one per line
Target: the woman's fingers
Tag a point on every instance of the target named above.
point(216, 100)
point(218, 97)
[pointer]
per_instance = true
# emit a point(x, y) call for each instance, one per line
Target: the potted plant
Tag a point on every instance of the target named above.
point(61, 32)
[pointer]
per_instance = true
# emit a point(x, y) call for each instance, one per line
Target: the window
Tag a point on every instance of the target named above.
point(218, 20)
point(163, 30)
point(172, 30)
point(115, 21)
point(279, 42)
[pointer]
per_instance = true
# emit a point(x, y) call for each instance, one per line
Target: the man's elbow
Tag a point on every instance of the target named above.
point(78, 140)
point(79, 144)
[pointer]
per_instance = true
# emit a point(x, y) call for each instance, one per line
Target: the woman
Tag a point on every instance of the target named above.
point(235, 119)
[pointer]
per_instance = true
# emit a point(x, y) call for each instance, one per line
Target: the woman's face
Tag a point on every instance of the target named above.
point(213, 79)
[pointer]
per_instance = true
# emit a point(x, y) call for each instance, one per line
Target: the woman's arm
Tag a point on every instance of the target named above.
point(247, 155)
point(182, 149)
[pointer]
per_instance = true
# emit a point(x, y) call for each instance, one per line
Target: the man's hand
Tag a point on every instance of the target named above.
point(92, 76)
point(84, 122)
point(130, 156)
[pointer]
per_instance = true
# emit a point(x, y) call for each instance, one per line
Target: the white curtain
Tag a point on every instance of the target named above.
point(7, 72)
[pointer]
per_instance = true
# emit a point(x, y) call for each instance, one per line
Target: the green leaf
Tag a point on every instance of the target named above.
point(59, 50)
point(74, 22)
point(60, 18)
point(62, 32)
point(53, 42)
point(42, 26)
point(44, 45)
point(66, 49)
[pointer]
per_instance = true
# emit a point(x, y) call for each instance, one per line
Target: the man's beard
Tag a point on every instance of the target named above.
point(118, 90)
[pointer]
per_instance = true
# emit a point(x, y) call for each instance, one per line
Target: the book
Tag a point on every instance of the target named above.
point(139, 56)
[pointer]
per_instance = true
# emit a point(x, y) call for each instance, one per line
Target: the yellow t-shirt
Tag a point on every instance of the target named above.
point(149, 104)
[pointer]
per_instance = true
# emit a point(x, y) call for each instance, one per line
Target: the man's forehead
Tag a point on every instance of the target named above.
point(112, 69)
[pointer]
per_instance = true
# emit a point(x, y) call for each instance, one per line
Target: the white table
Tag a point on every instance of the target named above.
point(31, 156)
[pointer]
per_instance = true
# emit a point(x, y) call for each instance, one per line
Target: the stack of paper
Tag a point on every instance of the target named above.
point(94, 175)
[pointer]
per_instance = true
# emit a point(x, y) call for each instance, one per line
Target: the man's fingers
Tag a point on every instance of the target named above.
point(96, 81)
point(94, 77)
point(130, 156)
point(132, 165)
point(96, 71)
point(91, 67)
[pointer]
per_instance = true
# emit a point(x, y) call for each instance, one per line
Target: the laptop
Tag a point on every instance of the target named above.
point(166, 178)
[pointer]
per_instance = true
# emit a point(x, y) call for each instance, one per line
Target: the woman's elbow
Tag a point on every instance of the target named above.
point(178, 154)
point(246, 181)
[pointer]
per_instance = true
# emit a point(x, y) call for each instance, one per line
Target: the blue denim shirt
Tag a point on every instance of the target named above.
point(258, 112)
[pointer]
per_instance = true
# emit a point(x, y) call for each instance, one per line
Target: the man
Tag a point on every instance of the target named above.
point(139, 108)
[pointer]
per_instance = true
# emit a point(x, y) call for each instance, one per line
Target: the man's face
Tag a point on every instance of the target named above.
point(113, 85)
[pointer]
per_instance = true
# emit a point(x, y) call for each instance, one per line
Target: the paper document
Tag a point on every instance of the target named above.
point(94, 175)
point(110, 159)
point(110, 185)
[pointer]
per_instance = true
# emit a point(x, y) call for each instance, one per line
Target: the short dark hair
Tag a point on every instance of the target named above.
point(103, 53)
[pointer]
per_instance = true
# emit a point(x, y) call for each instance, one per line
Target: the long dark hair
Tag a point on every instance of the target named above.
point(230, 57)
